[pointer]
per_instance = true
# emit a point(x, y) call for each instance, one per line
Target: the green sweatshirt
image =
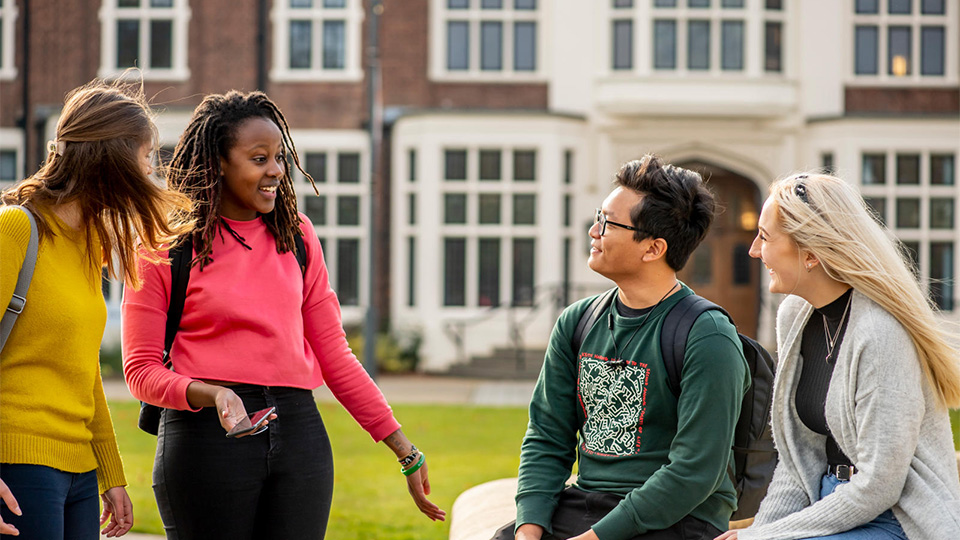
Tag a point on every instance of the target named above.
point(668, 457)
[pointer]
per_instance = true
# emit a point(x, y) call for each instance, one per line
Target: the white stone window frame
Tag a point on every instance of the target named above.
point(179, 13)
point(915, 20)
point(332, 143)
point(353, 16)
point(440, 15)
point(12, 139)
point(924, 235)
point(8, 66)
point(753, 14)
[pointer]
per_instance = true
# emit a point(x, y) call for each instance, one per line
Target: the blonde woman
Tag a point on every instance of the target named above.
point(864, 380)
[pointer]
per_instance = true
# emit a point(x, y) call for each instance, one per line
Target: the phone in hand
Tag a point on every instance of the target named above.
point(252, 423)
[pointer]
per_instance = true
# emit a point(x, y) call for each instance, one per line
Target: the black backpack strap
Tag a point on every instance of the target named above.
point(590, 317)
point(674, 333)
point(180, 257)
point(300, 250)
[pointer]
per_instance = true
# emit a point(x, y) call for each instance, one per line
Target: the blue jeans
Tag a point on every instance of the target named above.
point(56, 505)
point(883, 527)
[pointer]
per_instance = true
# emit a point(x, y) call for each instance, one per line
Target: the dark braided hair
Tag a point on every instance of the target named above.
point(676, 206)
point(195, 167)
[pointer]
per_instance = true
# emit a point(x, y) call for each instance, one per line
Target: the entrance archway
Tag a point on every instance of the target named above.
point(721, 269)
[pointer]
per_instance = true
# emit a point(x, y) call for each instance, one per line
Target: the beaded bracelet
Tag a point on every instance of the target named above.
point(409, 458)
point(415, 468)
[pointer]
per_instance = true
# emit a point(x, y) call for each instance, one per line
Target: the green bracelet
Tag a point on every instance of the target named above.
point(415, 468)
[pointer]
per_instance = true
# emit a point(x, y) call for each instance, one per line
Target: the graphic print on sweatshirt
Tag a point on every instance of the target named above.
point(613, 395)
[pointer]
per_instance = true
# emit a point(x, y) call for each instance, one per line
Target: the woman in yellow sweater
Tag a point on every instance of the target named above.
point(91, 199)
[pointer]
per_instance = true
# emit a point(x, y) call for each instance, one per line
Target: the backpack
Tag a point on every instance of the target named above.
point(754, 455)
point(180, 258)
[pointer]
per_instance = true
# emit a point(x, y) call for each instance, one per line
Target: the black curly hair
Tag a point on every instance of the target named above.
point(195, 168)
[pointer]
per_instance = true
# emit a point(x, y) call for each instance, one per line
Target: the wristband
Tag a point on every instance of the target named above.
point(409, 458)
point(415, 468)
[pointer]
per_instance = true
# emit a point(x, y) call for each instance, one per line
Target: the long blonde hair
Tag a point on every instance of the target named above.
point(827, 217)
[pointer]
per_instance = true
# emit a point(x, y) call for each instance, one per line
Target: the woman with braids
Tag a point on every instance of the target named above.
point(257, 331)
point(865, 376)
point(91, 200)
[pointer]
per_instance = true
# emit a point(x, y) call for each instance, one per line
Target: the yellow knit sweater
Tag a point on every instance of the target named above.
point(52, 408)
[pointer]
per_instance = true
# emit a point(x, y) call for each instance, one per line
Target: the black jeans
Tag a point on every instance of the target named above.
point(579, 510)
point(277, 484)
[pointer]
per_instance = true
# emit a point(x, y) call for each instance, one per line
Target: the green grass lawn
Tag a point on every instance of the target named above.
point(466, 446)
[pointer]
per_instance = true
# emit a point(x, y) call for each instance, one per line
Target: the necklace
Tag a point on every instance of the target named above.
point(832, 340)
point(616, 350)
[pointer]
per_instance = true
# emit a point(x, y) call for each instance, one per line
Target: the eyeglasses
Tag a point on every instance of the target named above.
point(601, 218)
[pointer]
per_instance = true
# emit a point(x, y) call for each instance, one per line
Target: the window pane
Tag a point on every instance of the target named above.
point(732, 3)
point(941, 213)
point(698, 3)
point(128, 43)
point(525, 4)
point(489, 274)
point(412, 163)
point(455, 208)
point(458, 4)
point(912, 252)
point(489, 165)
point(455, 165)
point(334, 3)
point(524, 209)
point(348, 271)
point(567, 210)
point(941, 274)
point(698, 45)
point(491, 46)
point(567, 167)
point(411, 271)
point(879, 207)
point(161, 44)
point(524, 165)
point(898, 50)
point(826, 163)
point(334, 47)
point(874, 169)
point(458, 45)
point(908, 169)
point(315, 207)
point(8, 165)
point(315, 164)
point(867, 56)
point(454, 271)
point(774, 4)
point(773, 47)
point(523, 271)
point(941, 170)
point(300, 38)
point(301, 3)
point(742, 263)
point(665, 3)
point(348, 168)
point(128, 3)
point(931, 50)
point(411, 208)
point(489, 209)
point(348, 210)
point(525, 46)
point(908, 213)
point(931, 7)
point(491, 4)
point(732, 45)
point(622, 44)
point(899, 7)
point(623, 3)
point(664, 44)
point(868, 6)
point(161, 3)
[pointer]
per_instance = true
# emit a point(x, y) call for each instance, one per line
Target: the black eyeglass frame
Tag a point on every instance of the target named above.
point(601, 218)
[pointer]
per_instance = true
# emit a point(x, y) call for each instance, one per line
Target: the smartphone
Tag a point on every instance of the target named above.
point(252, 423)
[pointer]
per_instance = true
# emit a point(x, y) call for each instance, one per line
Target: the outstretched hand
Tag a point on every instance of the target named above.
point(419, 487)
point(119, 510)
point(7, 497)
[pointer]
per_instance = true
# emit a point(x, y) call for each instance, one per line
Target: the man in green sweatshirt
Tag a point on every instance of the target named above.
point(651, 466)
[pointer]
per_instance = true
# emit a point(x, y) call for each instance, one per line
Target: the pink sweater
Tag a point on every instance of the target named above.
point(250, 317)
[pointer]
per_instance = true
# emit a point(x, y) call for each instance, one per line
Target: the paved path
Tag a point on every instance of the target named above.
point(409, 389)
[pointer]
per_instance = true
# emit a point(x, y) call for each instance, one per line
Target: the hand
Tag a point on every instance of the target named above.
point(529, 531)
point(729, 535)
point(7, 496)
point(119, 510)
point(589, 535)
point(419, 487)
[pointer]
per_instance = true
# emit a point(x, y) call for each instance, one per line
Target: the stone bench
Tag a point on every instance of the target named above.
point(479, 511)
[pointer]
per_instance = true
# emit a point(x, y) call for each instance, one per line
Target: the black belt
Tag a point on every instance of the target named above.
point(842, 472)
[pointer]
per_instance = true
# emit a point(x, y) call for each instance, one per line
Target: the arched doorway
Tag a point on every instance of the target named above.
point(721, 268)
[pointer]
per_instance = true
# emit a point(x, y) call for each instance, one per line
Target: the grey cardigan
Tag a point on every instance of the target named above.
point(885, 417)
